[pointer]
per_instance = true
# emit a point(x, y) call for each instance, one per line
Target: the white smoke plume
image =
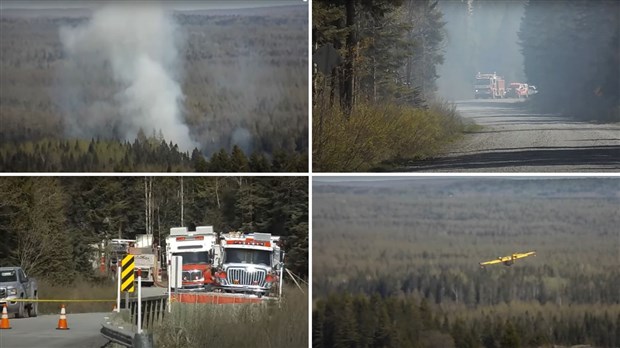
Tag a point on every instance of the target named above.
point(133, 47)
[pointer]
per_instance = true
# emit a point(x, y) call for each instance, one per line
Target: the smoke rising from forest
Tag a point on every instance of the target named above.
point(481, 36)
point(122, 75)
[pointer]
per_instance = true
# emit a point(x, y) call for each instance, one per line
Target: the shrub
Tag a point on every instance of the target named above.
point(378, 133)
point(244, 325)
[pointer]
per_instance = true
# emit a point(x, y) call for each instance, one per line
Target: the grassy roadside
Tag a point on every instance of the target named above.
point(374, 136)
point(247, 325)
point(80, 290)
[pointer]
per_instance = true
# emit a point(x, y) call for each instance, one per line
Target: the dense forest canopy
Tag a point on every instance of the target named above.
point(145, 154)
point(242, 78)
point(410, 249)
point(571, 50)
point(48, 223)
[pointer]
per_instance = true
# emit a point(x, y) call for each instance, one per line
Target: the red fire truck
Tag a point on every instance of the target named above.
point(489, 86)
point(196, 249)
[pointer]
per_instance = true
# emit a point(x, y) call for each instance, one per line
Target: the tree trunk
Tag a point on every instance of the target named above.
point(348, 69)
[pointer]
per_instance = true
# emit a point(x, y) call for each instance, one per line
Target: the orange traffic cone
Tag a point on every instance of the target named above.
point(4, 322)
point(62, 322)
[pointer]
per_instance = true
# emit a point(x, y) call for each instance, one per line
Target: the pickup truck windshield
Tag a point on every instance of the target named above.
point(256, 257)
point(8, 276)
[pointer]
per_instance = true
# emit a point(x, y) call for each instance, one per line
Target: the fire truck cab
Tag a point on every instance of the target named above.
point(489, 86)
point(196, 249)
point(248, 263)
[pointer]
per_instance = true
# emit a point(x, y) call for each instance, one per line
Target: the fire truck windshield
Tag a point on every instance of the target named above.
point(198, 257)
point(482, 82)
point(247, 256)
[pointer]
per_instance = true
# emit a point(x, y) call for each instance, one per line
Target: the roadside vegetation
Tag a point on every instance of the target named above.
point(399, 263)
point(246, 325)
point(375, 136)
point(374, 94)
point(103, 289)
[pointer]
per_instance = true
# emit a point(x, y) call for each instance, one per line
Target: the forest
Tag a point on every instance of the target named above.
point(48, 223)
point(375, 81)
point(243, 78)
point(409, 249)
point(150, 154)
point(570, 51)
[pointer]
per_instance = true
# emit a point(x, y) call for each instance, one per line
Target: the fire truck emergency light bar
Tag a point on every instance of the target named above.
point(248, 241)
point(191, 238)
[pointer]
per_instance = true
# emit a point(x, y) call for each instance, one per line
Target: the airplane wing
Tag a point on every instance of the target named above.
point(522, 255)
point(492, 262)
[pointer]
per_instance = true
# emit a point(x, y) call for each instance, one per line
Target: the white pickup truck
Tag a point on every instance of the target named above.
point(15, 284)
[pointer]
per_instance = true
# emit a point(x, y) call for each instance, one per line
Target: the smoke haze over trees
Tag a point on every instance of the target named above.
point(572, 52)
point(568, 49)
point(205, 79)
point(481, 36)
point(141, 59)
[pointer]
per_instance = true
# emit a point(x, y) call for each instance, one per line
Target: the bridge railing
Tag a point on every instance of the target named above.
point(153, 310)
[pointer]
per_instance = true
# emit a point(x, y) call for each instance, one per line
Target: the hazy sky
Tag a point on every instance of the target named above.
point(177, 5)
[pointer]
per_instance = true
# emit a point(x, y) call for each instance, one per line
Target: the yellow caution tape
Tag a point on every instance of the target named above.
point(39, 300)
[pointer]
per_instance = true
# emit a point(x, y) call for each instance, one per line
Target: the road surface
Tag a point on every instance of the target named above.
point(40, 332)
point(513, 139)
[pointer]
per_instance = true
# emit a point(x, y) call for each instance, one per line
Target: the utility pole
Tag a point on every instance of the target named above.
point(182, 202)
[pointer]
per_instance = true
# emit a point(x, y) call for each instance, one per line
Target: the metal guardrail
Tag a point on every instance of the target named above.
point(117, 335)
point(153, 311)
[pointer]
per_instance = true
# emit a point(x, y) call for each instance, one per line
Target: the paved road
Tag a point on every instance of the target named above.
point(512, 139)
point(40, 332)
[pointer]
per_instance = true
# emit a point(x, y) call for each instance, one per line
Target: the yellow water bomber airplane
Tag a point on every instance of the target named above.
point(508, 260)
